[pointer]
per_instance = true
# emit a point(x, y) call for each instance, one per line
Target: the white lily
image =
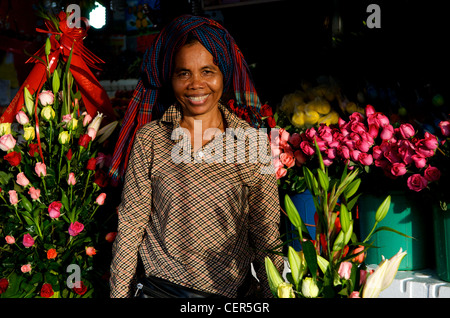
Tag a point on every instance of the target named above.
point(383, 276)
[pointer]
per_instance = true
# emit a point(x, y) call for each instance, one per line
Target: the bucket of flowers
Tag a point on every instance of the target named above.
point(331, 264)
point(52, 188)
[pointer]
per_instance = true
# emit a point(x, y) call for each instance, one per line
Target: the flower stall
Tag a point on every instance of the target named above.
point(53, 186)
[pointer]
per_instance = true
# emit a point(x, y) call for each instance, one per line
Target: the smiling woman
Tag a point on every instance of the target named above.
point(197, 85)
point(195, 228)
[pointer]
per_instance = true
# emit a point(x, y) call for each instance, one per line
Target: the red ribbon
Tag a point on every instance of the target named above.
point(93, 95)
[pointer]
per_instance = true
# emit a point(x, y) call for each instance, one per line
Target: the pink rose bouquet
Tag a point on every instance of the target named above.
point(368, 141)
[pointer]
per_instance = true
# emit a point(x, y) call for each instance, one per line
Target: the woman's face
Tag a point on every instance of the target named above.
point(197, 82)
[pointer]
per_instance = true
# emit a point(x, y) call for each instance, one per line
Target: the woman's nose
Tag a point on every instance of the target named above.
point(196, 82)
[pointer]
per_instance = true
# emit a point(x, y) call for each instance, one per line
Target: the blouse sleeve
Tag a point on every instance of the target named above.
point(264, 221)
point(133, 215)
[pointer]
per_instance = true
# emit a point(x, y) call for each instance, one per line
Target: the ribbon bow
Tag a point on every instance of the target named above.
point(93, 95)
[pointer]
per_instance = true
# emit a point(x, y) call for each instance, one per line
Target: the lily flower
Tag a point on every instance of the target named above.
point(382, 276)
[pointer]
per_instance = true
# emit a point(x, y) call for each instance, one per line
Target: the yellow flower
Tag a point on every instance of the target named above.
point(63, 137)
point(298, 119)
point(285, 290)
point(48, 113)
point(5, 129)
point(311, 117)
point(28, 133)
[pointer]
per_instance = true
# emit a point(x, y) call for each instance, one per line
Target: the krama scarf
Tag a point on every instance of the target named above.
point(146, 104)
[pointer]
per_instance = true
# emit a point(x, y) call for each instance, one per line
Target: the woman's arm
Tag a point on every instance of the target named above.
point(133, 213)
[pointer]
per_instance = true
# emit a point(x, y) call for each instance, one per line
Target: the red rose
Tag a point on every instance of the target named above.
point(80, 290)
point(3, 285)
point(91, 164)
point(271, 121)
point(84, 140)
point(33, 149)
point(13, 158)
point(266, 111)
point(69, 154)
point(47, 290)
point(100, 178)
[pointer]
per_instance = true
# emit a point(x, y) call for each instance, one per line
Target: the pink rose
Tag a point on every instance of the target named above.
point(71, 181)
point(354, 294)
point(407, 130)
point(419, 161)
point(370, 110)
point(430, 141)
point(365, 158)
point(377, 153)
point(287, 158)
point(416, 182)
point(300, 157)
point(344, 152)
point(398, 169)
point(40, 169)
point(27, 240)
point(345, 270)
point(13, 199)
point(10, 239)
point(25, 268)
point(7, 142)
point(432, 174)
point(46, 98)
point(387, 132)
point(86, 119)
point(280, 173)
point(110, 237)
point(295, 140)
point(54, 209)
point(101, 199)
point(22, 179)
point(75, 228)
point(91, 251)
point(22, 118)
point(307, 148)
point(34, 193)
point(445, 127)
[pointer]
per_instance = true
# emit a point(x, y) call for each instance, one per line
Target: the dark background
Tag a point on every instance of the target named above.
point(289, 41)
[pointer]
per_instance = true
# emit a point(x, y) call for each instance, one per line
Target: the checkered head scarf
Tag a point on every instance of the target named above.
point(147, 104)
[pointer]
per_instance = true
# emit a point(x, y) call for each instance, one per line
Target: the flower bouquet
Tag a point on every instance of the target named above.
point(331, 264)
point(52, 180)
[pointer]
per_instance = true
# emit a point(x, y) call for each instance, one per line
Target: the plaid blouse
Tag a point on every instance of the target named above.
point(195, 222)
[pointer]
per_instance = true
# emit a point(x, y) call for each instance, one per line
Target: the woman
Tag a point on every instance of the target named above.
point(194, 224)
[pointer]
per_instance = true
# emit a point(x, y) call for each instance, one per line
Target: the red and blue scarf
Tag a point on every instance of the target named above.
point(146, 104)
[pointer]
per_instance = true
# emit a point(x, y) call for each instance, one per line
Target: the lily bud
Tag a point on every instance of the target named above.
point(48, 47)
point(29, 103)
point(95, 125)
point(383, 209)
point(273, 276)
point(310, 288)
